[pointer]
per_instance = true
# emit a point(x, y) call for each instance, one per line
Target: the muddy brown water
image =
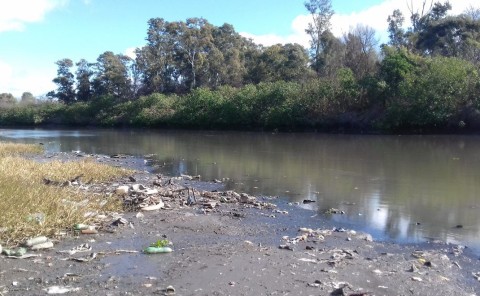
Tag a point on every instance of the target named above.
point(405, 189)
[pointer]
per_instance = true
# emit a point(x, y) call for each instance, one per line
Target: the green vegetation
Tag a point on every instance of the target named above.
point(28, 207)
point(193, 74)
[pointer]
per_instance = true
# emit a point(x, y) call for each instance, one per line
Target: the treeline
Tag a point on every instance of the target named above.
point(195, 74)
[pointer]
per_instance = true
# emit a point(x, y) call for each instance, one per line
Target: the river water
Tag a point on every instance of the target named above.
point(398, 188)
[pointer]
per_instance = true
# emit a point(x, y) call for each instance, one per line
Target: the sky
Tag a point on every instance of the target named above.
point(34, 34)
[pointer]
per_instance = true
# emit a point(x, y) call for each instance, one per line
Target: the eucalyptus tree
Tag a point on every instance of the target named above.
point(83, 76)
point(333, 55)
point(321, 12)
point(65, 82)
point(155, 61)
point(7, 99)
point(453, 36)
point(396, 33)
point(27, 98)
point(193, 40)
point(287, 62)
point(228, 58)
point(112, 76)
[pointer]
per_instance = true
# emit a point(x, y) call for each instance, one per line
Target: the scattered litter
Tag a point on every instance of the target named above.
point(286, 247)
point(78, 249)
point(308, 260)
point(60, 290)
point(158, 247)
point(334, 211)
point(91, 257)
point(45, 245)
point(14, 252)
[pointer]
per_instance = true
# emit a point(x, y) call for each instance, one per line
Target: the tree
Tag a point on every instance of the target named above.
point(7, 99)
point(417, 14)
point(473, 13)
point(396, 33)
point(155, 61)
point(332, 58)
point(194, 39)
point(456, 36)
point(64, 81)
point(281, 62)
point(83, 75)
point(112, 76)
point(360, 51)
point(229, 65)
point(27, 98)
point(321, 12)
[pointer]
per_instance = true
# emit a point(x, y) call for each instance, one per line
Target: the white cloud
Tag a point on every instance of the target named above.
point(130, 52)
point(17, 81)
point(15, 14)
point(374, 17)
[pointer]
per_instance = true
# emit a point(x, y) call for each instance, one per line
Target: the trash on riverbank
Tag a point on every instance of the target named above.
point(157, 250)
point(60, 290)
point(158, 247)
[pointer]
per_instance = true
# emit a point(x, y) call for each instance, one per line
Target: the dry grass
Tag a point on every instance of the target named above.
point(11, 149)
point(25, 199)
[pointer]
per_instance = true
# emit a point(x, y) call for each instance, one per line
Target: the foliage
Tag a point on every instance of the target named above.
point(161, 243)
point(434, 94)
point(65, 82)
point(197, 75)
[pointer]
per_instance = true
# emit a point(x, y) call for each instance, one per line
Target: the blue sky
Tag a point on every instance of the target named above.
point(36, 33)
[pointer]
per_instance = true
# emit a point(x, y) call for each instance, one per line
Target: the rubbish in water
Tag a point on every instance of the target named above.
point(334, 211)
point(157, 250)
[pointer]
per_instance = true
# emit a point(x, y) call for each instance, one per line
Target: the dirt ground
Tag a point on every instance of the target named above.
point(236, 249)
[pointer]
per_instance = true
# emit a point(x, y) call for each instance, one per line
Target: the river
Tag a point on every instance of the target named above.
point(398, 188)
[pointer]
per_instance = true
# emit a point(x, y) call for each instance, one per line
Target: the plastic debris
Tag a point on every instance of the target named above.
point(157, 250)
point(36, 240)
point(60, 290)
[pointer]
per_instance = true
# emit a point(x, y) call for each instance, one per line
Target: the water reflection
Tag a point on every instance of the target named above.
point(404, 188)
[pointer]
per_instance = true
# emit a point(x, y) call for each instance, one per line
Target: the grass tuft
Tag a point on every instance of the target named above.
point(29, 207)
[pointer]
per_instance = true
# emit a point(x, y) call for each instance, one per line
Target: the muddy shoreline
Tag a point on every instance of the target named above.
point(234, 248)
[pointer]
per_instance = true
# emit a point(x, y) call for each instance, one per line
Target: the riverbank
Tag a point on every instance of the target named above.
point(237, 248)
